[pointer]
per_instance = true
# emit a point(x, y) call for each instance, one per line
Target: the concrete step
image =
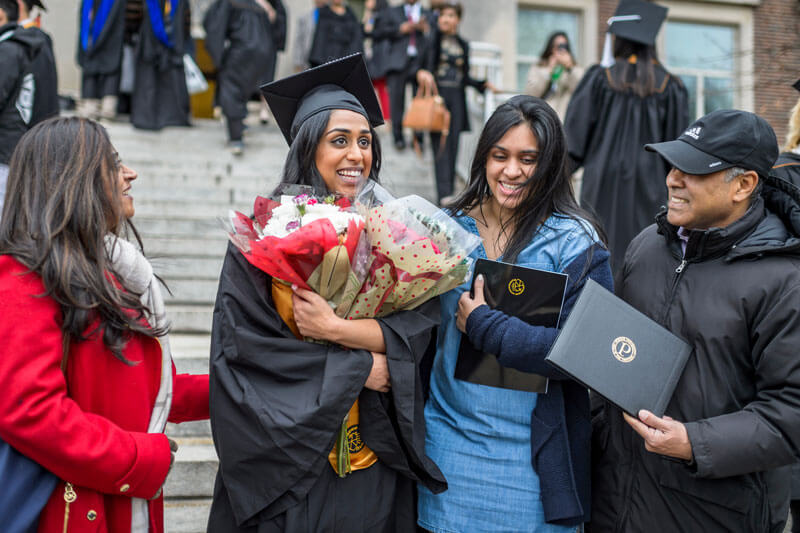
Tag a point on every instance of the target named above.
point(188, 267)
point(190, 352)
point(192, 291)
point(192, 474)
point(187, 318)
point(198, 429)
point(188, 515)
point(175, 226)
point(186, 246)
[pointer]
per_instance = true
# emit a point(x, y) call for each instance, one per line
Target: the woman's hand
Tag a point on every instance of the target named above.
point(378, 379)
point(426, 81)
point(467, 304)
point(490, 86)
point(313, 315)
point(173, 449)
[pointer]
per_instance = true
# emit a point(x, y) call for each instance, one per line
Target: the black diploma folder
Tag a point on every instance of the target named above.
point(529, 294)
point(619, 353)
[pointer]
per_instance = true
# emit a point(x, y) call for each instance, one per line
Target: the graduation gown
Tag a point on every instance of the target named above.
point(160, 97)
point(335, 36)
point(248, 60)
point(101, 26)
point(277, 404)
point(606, 132)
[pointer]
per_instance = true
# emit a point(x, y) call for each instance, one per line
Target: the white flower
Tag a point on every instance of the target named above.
point(286, 217)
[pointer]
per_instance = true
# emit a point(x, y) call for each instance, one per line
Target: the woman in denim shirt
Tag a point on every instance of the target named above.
point(514, 461)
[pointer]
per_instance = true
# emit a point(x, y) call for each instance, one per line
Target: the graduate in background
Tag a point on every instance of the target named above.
point(277, 401)
point(241, 40)
point(617, 109)
point(160, 97)
point(102, 25)
point(43, 67)
point(337, 34)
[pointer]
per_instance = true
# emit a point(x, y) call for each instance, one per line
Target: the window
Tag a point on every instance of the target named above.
point(704, 56)
point(534, 26)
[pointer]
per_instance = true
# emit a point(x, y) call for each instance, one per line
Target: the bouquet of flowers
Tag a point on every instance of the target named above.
point(418, 252)
point(317, 243)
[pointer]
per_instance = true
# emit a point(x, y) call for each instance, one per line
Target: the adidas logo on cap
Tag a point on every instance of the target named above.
point(694, 133)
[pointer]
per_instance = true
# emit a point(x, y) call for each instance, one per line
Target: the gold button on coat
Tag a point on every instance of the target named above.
point(91, 515)
point(124, 488)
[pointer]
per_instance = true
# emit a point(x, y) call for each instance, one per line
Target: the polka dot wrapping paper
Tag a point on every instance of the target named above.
point(418, 252)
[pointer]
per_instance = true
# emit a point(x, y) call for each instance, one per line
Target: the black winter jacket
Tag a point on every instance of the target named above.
point(18, 47)
point(734, 297)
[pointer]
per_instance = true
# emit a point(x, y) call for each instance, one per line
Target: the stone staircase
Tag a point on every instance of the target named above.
point(187, 180)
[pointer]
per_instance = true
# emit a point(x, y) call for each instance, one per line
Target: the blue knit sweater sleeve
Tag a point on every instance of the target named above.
point(519, 345)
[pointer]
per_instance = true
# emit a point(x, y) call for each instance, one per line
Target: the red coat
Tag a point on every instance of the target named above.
point(95, 437)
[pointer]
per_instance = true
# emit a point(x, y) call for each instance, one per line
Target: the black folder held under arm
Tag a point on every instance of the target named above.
point(529, 294)
point(618, 352)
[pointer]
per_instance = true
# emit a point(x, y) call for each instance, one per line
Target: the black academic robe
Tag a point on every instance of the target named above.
point(277, 404)
point(159, 96)
point(248, 60)
point(101, 61)
point(606, 132)
point(335, 36)
point(43, 68)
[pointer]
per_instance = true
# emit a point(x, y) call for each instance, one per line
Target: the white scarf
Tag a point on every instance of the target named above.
point(136, 273)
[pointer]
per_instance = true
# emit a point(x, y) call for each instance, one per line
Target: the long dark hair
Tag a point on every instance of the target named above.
point(548, 48)
point(547, 191)
point(58, 210)
point(638, 76)
point(300, 167)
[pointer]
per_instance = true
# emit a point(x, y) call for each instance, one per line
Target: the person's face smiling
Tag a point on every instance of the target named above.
point(125, 175)
point(704, 201)
point(511, 162)
point(344, 153)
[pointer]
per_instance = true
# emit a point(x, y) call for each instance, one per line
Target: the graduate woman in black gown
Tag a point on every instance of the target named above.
point(613, 113)
point(277, 402)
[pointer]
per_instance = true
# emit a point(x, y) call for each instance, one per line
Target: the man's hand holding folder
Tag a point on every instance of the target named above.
point(664, 436)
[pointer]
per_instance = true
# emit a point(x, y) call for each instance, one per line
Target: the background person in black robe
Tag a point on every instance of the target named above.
point(337, 34)
point(613, 113)
point(248, 60)
point(160, 97)
point(102, 25)
point(43, 67)
point(277, 402)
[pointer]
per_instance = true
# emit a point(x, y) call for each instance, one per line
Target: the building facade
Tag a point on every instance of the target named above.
point(729, 53)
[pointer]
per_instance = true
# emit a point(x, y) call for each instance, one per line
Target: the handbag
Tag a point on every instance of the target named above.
point(195, 81)
point(427, 112)
point(27, 486)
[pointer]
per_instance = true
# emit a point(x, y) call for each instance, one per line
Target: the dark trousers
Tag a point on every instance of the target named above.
point(235, 128)
point(396, 84)
point(445, 151)
point(795, 507)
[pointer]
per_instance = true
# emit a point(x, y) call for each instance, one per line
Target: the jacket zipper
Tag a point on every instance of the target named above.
point(69, 497)
point(678, 271)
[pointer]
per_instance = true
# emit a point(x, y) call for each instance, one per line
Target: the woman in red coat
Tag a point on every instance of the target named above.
point(94, 417)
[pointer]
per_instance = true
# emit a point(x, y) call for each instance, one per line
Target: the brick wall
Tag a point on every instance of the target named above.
point(776, 57)
point(777, 61)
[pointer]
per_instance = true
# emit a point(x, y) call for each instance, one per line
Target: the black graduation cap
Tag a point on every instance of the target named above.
point(797, 85)
point(36, 3)
point(637, 20)
point(340, 84)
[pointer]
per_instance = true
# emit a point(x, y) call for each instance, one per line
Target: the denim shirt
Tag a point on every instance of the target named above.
point(479, 436)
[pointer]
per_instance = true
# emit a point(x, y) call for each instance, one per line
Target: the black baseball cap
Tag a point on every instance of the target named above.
point(340, 84)
point(720, 140)
point(637, 21)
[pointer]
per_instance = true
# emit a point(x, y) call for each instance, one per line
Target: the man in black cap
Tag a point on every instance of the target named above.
point(720, 269)
point(45, 99)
